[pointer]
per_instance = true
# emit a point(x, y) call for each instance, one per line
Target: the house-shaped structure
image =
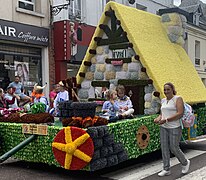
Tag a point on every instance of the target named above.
point(131, 47)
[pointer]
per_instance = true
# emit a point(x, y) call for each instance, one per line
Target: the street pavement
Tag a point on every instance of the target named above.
point(145, 167)
point(194, 150)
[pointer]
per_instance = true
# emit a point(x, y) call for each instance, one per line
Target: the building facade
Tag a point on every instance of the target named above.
point(24, 42)
point(196, 34)
point(74, 23)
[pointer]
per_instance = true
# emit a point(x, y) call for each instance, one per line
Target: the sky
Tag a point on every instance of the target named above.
point(177, 2)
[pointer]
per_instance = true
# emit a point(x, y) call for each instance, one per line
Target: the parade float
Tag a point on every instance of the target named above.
point(139, 50)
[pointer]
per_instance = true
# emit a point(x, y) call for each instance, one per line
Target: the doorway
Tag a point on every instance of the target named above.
point(135, 90)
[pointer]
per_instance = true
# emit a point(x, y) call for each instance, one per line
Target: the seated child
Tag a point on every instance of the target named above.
point(124, 103)
point(110, 107)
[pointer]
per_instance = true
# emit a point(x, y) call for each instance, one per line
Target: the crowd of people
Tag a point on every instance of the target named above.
point(117, 106)
point(14, 96)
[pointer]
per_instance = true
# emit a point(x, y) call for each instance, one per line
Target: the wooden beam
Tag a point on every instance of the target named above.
point(96, 99)
point(109, 41)
point(113, 22)
point(92, 51)
point(106, 29)
point(87, 63)
point(130, 82)
point(100, 84)
point(97, 39)
point(118, 32)
point(136, 57)
point(141, 100)
point(119, 46)
point(81, 74)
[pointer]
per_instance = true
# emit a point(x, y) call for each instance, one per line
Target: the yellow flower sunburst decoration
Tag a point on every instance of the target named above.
point(75, 152)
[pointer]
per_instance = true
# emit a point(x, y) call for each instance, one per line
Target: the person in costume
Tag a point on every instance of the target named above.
point(124, 103)
point(38, 96)
point(172, 108)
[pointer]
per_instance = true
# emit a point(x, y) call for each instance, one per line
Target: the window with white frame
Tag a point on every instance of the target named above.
point(75, 10)
point(27, 4)
point(197, 53)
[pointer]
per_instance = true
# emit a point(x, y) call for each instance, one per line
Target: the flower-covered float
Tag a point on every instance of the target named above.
point(141, 53)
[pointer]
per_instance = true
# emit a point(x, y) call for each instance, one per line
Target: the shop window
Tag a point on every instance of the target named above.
point(197, 53)
point(22, 61)
point(75, 12)
point(27, 4)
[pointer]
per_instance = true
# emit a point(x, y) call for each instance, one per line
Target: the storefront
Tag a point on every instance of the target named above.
point(23, 52)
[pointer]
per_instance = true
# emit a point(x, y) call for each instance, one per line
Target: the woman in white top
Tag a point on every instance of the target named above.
point(172, 108)
point(63, 95)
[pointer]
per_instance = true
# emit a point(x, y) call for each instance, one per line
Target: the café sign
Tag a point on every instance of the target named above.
point(18, 32)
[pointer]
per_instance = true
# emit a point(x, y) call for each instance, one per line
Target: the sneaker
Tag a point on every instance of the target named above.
point(164, 173)
point(185, 169)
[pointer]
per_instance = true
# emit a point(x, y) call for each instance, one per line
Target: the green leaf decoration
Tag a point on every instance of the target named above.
point(38, 108)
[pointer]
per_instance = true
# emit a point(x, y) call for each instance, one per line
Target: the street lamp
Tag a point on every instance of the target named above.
point(57, 9)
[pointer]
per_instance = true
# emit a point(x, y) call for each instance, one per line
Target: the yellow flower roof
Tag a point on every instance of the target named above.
point(164, 61)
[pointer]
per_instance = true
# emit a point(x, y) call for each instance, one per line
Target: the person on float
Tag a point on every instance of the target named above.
point(19, 89)
point(40, 97)
point(62, 95)
point(172, 108)
point(2, 100)
point(53, 94)
point(124, 103)
point(110, 107)
point(11, 98)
